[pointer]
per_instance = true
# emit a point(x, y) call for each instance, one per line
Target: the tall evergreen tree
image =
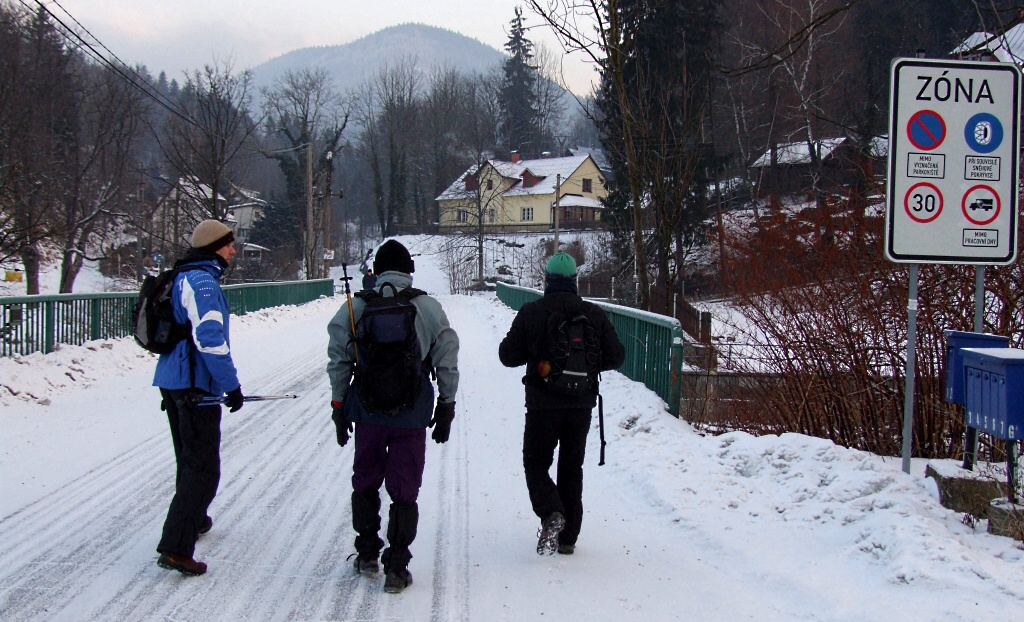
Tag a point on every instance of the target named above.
point(521, 118)
point(666, 69)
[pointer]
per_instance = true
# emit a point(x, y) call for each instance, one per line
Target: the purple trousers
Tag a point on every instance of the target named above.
point(393, 457)
point(390, 456)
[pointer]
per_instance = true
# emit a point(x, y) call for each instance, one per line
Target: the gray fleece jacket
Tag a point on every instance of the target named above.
point(437, 338)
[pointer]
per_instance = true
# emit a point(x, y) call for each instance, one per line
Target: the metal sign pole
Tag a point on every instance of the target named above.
point(908, 397)
point(971, 434)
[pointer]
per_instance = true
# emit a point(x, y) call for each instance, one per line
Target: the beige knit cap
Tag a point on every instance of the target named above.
point(212, 235)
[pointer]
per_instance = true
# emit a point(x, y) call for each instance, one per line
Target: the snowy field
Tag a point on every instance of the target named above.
point(677, 525)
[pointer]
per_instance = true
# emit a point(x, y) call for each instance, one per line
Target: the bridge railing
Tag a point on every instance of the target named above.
point(39, 323)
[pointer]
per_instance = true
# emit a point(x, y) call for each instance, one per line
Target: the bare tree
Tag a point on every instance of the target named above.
point(38, 113)
point(304, 110)
point(97, 176)
point(386, 110)
point(206, 140)
point(795, 37)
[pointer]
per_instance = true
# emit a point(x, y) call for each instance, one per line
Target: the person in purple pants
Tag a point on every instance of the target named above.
point(390, 445)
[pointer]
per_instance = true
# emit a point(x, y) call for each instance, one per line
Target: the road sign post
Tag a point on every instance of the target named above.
point(952, 179)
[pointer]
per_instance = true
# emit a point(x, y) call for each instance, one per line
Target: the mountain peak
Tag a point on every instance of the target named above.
point(352, 64)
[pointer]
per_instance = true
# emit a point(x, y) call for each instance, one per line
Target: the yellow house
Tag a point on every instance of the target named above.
point(520, 195)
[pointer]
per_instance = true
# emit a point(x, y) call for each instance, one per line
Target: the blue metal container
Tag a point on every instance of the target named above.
point(956, 341)
point(994, 391)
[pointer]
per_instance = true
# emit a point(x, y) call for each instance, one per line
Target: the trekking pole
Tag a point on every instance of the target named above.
point(600, 423)
point(213, 401)
point(351, 314)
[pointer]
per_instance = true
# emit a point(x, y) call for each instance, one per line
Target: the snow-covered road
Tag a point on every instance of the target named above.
point(677, 525)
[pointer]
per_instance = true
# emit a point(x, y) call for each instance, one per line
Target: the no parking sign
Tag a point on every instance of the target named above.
point(953, 162)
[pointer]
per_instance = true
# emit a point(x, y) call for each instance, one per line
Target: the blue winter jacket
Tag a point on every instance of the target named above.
point(198, 298)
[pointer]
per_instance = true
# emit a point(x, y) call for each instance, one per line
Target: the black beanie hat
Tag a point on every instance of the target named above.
point(392, 256)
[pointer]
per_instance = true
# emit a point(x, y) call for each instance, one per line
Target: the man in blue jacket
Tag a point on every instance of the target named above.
point(200, 366)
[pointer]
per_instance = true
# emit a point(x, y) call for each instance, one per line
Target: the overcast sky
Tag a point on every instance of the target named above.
point(178, 35)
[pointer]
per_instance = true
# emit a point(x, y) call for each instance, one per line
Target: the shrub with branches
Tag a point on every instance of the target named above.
point(826, 325)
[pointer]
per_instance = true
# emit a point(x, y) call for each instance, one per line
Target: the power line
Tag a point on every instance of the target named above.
point(134, 80)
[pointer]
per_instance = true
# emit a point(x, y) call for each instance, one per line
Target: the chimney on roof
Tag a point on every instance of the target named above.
point(545, 154)
point(515, 156)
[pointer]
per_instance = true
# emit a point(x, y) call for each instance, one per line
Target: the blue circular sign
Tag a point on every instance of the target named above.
point(983, 133)
point(926, 130)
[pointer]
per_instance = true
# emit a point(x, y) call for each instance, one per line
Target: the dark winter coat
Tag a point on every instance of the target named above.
point(526, 343)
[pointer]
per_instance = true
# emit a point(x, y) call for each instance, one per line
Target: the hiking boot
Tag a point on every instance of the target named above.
point(365, 565)
point(566, 549)
point(547, 537)
point(182, 563)
point(206, 526)
point(397, 580)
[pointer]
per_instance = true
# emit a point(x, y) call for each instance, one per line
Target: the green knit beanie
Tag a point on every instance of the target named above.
point(562, 264)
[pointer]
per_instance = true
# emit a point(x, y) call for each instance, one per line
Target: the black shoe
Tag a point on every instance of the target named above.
point(397, 580)
point(547, 537)
point(365, 565)
point(566, 549)
point(185, 565)
point(206, 526)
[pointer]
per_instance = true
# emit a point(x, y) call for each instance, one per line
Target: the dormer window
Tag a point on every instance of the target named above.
point(530, 180)
point(472, 183)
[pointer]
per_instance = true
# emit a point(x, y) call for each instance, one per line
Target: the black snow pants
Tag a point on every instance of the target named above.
point(195, 433)
point(566, 428)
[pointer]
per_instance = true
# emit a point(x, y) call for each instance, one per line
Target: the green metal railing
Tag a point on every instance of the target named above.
point(654, 343)
point(38, 323)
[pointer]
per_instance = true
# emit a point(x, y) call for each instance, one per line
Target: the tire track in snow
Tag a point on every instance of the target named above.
point(103, 527)
point(450, 590)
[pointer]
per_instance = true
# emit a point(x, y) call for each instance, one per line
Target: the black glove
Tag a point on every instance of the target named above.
point(341, 423)
point(444, 412)
point(234, 399)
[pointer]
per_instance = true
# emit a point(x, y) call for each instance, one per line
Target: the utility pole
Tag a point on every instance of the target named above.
point(328, 250)
point(558, 186)
point(310, 240)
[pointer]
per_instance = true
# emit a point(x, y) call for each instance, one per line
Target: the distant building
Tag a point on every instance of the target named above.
point(787, 167)
point(245, 207)
point(520, 195)
point(985, 46)
point(184, 205)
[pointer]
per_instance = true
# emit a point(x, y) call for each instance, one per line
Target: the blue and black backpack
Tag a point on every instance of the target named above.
point(389, 369)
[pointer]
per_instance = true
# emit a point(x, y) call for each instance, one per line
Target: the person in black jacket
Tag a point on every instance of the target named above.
point(555, 419)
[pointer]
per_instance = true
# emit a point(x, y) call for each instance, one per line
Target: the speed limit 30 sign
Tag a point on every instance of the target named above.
point(953, 162)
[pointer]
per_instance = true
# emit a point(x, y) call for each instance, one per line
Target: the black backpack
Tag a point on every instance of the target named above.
point(155, 328)
point(389, 367)
point(573, 353)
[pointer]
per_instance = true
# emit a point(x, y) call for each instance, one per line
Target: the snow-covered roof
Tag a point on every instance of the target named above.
point(458, 188)
point(1006, 48)
point(797, 152)
point(547, 169)
point(597, 154)
point(575, 200)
